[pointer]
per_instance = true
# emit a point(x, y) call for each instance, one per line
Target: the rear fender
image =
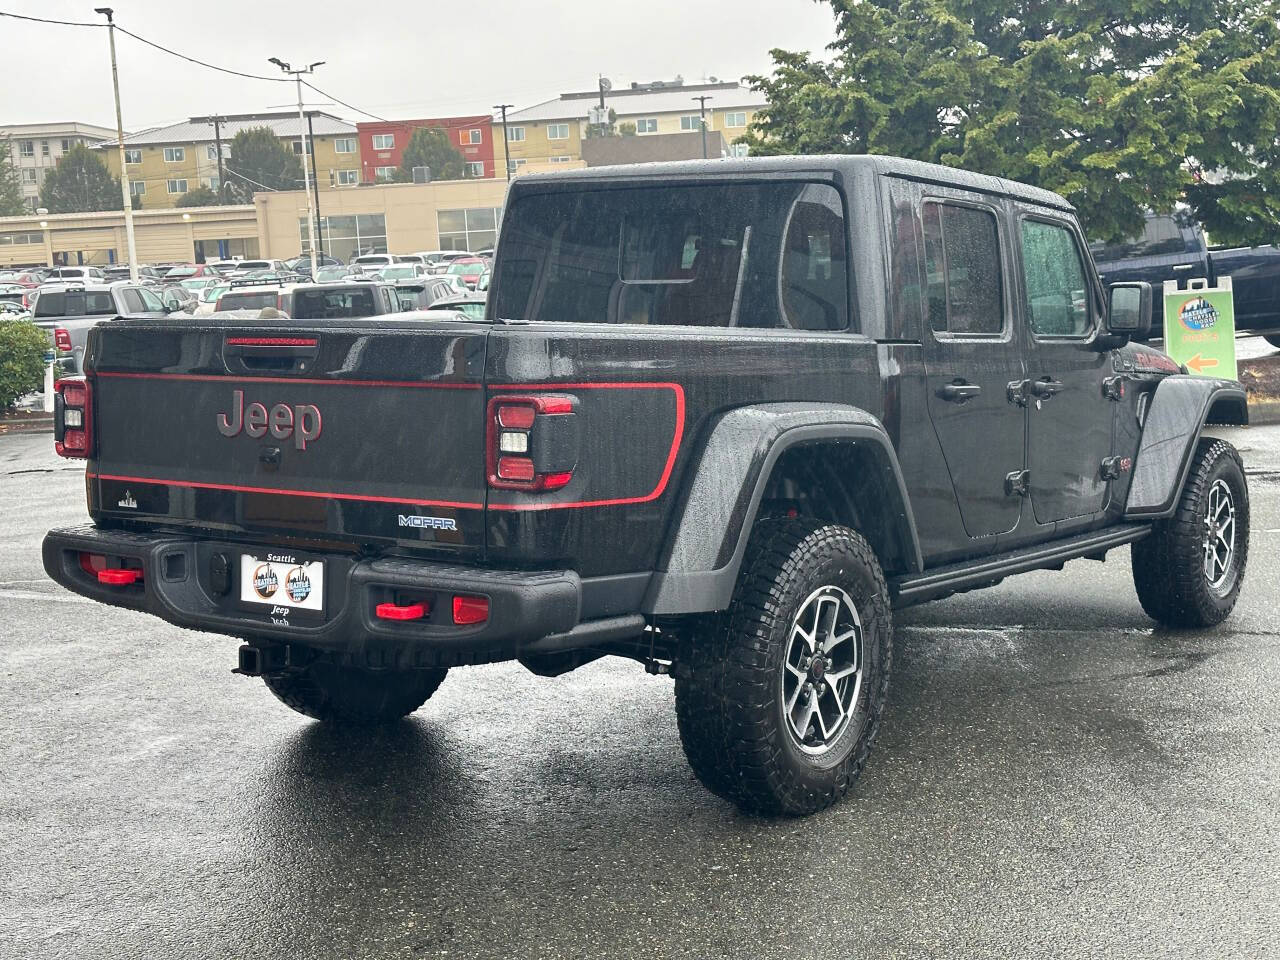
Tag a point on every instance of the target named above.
point(700, 567)
point(1179, 409)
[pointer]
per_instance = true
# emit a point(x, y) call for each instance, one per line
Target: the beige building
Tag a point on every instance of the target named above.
point(197, 233)
point(553, 132)
point(35, 148)
point(163, 163)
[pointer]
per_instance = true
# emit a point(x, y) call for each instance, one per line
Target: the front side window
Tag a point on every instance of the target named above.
point(965, 287)
point(175, 154)
point(384, 141)
point(1057, 290)
point(707, 254)
point(557, 131)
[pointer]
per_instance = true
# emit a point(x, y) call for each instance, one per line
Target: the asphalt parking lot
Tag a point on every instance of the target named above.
point(1054, 778)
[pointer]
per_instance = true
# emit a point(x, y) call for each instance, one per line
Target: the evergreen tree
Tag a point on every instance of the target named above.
point(431, 147)
point(80, 183)
point(258, 161)
point(11, 202)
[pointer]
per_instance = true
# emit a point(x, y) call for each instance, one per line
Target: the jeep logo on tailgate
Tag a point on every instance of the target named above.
point(302, 421)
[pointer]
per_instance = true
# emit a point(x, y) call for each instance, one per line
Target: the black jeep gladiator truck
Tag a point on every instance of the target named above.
point(720, 417)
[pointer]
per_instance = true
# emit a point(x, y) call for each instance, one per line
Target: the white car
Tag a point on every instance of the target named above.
point(375, 260)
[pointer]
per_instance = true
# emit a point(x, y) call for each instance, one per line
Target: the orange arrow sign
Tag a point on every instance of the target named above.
point(1200, 364)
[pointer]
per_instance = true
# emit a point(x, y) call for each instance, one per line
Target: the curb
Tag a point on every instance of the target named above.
point(36, 425)
point(1263, 412)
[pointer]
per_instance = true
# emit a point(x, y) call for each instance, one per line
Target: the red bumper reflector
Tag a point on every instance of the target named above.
point(470, 610)
point(390, 611)
point(119, 578)
point(554, 481)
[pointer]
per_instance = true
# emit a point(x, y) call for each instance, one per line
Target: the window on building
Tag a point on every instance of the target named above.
point(66, 144)
point(133, 156)
point(177, 186)
point(344, 145)
point(349, 236)
point(472, 229)
point(175, 154)
point(26, 148)
point(474, 169)
point(384, 141)
point(739, 150)
point(29, 174)
point(1054, 280)
point(735, 119)
point(347, 178)
point(514, 165)
point(298, 147)
point(137, 188)
point(211, 151)
point(557, 131)
point(467, 137)
point(563, 159)
point(962, 266)
point(647, 125)
point(210, 182)
point(384, 173)
point(515, 134)
point(44, 148)
point(691, 122)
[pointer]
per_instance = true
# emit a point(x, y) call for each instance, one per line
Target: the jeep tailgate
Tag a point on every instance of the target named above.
point(363, 432)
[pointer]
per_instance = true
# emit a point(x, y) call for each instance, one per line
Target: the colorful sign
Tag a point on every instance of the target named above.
point(1200, 327)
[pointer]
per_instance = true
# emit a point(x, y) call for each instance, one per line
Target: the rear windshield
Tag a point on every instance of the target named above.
point(181, 272)
point(333, 304)
point(248, 301)
point(723, 255)
point(75, 303)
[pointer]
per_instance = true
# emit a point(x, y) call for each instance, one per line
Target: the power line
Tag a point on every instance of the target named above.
point(62, 23)
point(349, 106)
point(202, 63)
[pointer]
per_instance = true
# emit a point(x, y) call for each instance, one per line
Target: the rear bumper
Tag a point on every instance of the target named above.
point(178, 585)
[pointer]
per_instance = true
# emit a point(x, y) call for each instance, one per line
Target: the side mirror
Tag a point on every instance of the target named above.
point(1129, 311)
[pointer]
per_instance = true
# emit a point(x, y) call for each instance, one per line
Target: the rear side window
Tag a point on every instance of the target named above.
point(964, 286)
point(1056, 289)
point(333, 304)
point(707, 254)
point(75, 303)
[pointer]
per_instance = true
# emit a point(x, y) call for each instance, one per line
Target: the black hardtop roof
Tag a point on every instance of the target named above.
point(849, 165)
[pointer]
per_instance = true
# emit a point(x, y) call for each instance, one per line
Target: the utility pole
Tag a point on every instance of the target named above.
point(124, 173)
point(702, 120)
point(222, 174)
point(506, 140)
point(307, 147)
point(315, 184)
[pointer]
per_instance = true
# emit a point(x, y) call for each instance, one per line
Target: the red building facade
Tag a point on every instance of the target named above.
point(382, 144)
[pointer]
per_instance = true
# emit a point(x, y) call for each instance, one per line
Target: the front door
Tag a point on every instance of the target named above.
point(1069, 416)
point(972, 353)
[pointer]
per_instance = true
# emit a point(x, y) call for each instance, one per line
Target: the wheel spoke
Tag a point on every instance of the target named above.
point(791, 704)
point(834, 640)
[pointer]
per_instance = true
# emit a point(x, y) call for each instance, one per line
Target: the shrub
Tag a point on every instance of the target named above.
point(22, 349)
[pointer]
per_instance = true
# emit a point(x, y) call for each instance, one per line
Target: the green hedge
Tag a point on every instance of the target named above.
point(22, 349)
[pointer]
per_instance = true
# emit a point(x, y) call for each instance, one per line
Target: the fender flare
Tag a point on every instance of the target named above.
point(1180, 407)
point(708, 538)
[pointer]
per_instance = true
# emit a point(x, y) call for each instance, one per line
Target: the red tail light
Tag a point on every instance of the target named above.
point(73, 417)
point(511, 458)
point(62, 340)
point(392, 611)
point(467, 610)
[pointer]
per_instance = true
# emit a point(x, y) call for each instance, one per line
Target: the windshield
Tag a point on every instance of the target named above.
point(710, 254)
point(467, 269)
point(333, 304)
point(210, 294)
point(325, 274)
point(181, 272)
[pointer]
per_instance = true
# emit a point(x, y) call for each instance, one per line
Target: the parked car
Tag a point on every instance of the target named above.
point(253, 294)
point(333, 301)
point(411, 258)
point(469, 269)
point(77, 274)
point(9, 310)
point(375, 260)
point(120, 271)
point(68, 311)
point(243, 267)
point(302, 265)
point(14, 293)
point(207, 300)
point(186, 271)
point(1173, 247)
point(177, 298)
point(711, 428)
point(421, 293)
point(403, 271)
point(471, 304)
point(25, 278)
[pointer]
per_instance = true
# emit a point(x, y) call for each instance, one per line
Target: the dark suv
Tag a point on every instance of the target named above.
point(720, 418)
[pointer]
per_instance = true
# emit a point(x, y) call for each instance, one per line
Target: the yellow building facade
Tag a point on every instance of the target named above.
point(164, 163)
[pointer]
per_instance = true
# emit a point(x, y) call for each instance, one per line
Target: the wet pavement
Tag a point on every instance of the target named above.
point(1054, 778)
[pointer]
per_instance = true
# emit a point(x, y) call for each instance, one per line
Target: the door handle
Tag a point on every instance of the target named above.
point(1046, 388)
point(1183, 266)
point(959, 392)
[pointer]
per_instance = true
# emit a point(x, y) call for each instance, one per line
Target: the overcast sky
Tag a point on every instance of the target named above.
point(396, 59)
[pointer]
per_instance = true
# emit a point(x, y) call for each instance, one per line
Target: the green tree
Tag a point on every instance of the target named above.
point(1119, 105)
point(199, 197)
point(430, 147)
point(260, 161)
point(11, 202)
point(80, 183)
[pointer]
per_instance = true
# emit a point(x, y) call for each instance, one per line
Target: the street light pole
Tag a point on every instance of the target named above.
point(506, 141)
point(307, 147)
point(702, 120)
point(125, 192)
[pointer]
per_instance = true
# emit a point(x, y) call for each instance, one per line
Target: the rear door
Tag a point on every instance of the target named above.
point(972, 352)
point(343, 432)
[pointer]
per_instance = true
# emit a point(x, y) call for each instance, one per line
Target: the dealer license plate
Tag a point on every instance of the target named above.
point(282, 580)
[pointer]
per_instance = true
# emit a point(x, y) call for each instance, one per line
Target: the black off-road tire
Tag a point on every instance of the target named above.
point(729, 703)
point(1169, 564)
point(335, 693)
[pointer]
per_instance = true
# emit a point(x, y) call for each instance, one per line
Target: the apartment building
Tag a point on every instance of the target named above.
point(163, 163)
point(553, 132)
point(35, 148)
point(382, 145)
